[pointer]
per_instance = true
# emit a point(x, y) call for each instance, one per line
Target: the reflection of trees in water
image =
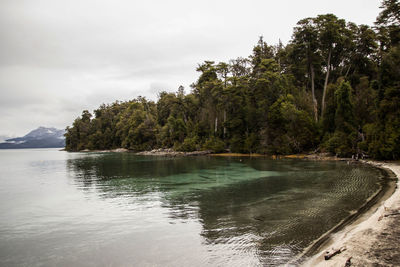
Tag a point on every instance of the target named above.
point(129, 173)
point(277, 216)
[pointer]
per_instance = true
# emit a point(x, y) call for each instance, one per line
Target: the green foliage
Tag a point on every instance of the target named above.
point(390, 13)
point(214, 144)
point(251, 143)
point(189, 144)
point(344, 117)
point(339, 144)
point(335, 86)
point(236, 144)
point(383, 136)
point(294, 131)
point(341, 134)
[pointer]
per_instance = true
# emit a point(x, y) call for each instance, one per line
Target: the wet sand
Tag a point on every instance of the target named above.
point(373, 239)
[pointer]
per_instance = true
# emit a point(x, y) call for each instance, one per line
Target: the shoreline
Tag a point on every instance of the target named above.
point(362, 238)
point(169, 152)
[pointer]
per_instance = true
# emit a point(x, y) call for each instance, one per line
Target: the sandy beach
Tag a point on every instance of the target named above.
point(372, 240)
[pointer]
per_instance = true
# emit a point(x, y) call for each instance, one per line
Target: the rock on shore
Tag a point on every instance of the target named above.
point(172, 153)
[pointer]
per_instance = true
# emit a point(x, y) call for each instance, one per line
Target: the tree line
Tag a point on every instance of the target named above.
point(335, 87)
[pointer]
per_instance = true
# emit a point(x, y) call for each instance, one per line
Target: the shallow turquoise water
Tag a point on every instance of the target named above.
point(118, 209)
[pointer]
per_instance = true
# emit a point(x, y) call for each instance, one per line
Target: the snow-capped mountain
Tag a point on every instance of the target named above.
point(41, 137)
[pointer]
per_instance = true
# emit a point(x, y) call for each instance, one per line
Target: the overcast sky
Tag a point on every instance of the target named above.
point(60, 57)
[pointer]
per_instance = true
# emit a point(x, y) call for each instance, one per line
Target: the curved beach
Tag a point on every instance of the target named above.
point(372, 239)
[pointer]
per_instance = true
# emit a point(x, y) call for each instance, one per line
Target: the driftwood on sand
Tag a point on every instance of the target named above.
point(330, 254)
point(348, 262)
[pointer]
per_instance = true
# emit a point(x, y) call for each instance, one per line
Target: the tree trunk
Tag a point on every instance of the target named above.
point(216, 125)
point(326, 82)
point(347, 72)
point(315, 103)
point(224, 122)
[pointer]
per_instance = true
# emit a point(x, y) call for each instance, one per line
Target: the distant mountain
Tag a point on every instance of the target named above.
point(41, 137)
point(4, 138)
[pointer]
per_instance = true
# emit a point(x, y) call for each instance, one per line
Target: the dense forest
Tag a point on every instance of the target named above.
point(335, 87)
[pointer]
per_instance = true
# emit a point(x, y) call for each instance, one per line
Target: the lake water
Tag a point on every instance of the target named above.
point(118, 209)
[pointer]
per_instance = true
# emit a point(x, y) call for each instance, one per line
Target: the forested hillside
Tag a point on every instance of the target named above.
point(335, 87)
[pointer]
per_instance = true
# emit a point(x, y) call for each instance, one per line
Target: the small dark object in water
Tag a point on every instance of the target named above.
point(259, 218)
